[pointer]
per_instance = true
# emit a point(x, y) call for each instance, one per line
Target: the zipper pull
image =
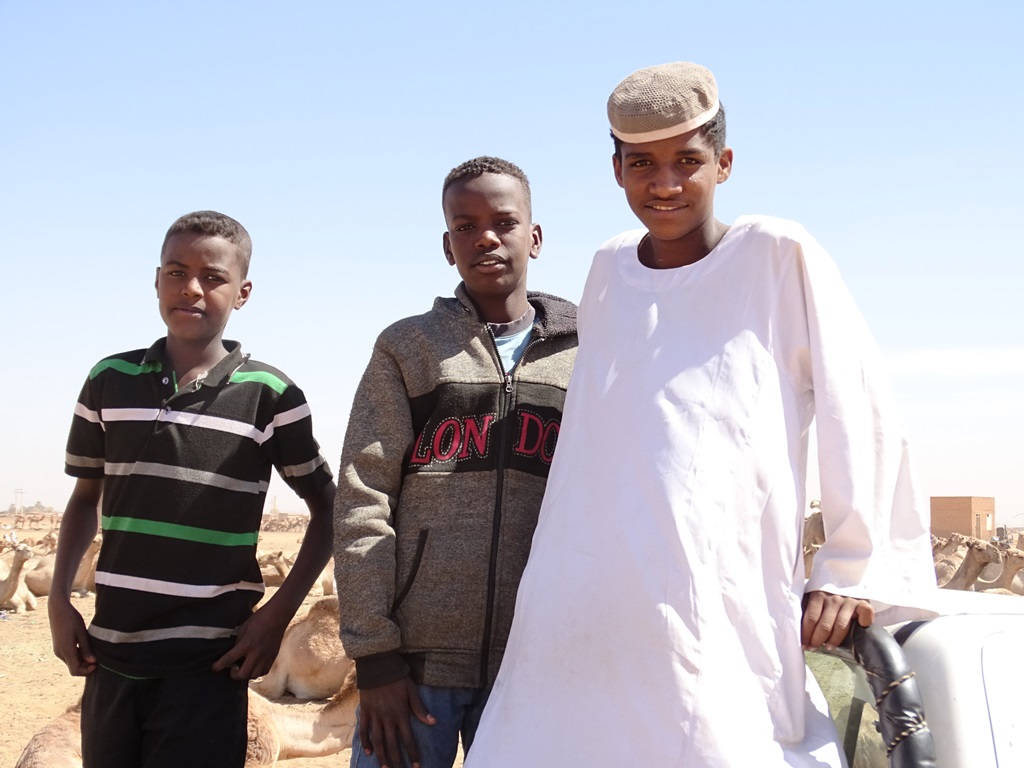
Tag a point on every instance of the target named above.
point(508, 383)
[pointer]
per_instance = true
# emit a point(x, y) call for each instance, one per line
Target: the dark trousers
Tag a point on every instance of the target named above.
point(192, 721)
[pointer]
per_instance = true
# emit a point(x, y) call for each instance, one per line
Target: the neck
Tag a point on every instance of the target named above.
point(189, 358)
point(499, 310)
point(689, 249)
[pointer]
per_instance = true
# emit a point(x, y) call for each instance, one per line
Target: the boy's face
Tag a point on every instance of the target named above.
point(198, 283)
point(490, 237)
point(670, 184)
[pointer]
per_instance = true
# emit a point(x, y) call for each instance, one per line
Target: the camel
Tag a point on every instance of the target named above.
point(814, 535)
point(58, 744)
point(951, 556)
point(275, 568)
point(47, 544)
point(1008, 582)
point(40, 578)
point(13, 592)
point(276, 732)
point(327, 579)
point(979, 554)
point(312, 662)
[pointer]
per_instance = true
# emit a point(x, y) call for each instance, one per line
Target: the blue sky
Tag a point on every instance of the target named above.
point(892, 131)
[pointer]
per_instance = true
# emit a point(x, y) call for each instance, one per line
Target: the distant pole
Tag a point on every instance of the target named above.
point(17, 501)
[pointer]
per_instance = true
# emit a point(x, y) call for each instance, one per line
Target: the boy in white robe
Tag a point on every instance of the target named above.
point(664, 610)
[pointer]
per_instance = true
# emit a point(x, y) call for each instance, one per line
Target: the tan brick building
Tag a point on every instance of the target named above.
point(969, 515)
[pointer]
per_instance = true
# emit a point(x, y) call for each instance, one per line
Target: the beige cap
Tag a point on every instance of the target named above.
point(663, 101)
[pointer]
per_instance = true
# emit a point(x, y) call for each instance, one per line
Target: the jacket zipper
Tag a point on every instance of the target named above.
point(492, 571)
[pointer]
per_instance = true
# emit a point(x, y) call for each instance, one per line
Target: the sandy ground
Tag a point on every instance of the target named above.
point(35, 686)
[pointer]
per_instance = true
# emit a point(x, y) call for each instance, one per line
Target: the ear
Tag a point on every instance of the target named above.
point(243, 294)
point(617, 167)
point(724, 165)
point(537, 237)
point(156, 281)
point(446, 244)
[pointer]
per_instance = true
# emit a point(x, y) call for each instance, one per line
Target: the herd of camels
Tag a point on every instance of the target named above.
point(312, 663)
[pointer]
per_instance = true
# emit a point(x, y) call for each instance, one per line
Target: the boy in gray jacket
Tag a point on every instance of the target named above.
point(444, 465)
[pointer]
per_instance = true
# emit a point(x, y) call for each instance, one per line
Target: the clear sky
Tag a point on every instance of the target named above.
point(891, 130)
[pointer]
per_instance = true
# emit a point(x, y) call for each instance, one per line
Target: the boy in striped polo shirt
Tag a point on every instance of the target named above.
point(177, 442)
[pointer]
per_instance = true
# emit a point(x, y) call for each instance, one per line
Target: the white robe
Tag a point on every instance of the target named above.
point(658, 620)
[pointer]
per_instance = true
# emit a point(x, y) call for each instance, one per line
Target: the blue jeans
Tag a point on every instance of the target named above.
point(457, 711)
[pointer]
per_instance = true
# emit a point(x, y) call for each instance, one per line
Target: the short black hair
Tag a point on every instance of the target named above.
point(214, 224)
point(713, 129)
point(478, 166)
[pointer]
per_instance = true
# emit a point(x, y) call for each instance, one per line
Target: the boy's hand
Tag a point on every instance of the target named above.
point(384, 714)
point(256, 646)
point(828, 618)
point(69, 636)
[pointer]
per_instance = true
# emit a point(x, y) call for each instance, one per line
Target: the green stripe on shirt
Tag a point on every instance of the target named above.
point(132, 369)
point(262, 377)
point(183, 532)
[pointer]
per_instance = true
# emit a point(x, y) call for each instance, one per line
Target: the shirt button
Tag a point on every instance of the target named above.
point(167, 409)
point(165, 380)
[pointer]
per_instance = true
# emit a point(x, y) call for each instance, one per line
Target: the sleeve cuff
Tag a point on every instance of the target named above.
point(380, 669)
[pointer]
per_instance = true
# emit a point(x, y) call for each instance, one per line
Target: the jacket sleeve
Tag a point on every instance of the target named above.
point(877, 542)
point(378, 437)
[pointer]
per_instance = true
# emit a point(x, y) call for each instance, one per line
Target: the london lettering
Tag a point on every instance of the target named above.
point(463, 438)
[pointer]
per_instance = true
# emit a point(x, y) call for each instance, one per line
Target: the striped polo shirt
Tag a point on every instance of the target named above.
point(185, 475)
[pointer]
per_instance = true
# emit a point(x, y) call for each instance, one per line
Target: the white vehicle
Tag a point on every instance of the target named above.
point(940, 692)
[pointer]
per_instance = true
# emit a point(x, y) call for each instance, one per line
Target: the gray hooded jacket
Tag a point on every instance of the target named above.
point(442, 473)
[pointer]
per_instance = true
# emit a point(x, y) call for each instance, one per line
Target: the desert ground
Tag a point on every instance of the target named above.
point(35, 686)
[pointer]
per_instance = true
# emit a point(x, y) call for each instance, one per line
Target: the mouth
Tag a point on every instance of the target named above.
point(189, 311)
point(489, 263)
point(664, 206)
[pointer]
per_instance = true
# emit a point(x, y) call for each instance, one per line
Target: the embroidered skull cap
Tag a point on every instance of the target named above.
point(663, 101)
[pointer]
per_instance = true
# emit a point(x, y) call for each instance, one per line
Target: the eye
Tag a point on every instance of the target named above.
point(508, 223)
point(464, 228)
point(175, 273)
point(641, 163)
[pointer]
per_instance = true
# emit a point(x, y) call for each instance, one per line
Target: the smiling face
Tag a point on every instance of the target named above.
point(670, 186)
point(490, 240)
point(198, 283)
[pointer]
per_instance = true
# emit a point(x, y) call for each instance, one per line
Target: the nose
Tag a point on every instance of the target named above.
point(666, 182)
point(487, 239)
point(192, 287)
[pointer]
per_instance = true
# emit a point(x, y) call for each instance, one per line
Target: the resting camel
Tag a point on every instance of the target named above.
point(979, 554)
point(275, 568)
point(312, 662)
point(13, 592)
point(1013, 562)
point(951, 556)
point(40, 578)
point(276, 732)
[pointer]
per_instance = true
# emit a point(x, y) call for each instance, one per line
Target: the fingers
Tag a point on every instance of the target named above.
point(865, 613)
point(364, 732)
point(227, 660)
point(385, 740)
point(86, 659)
point(419, 711)
point(385, 722)
point(813, 605)
point(828, 618)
